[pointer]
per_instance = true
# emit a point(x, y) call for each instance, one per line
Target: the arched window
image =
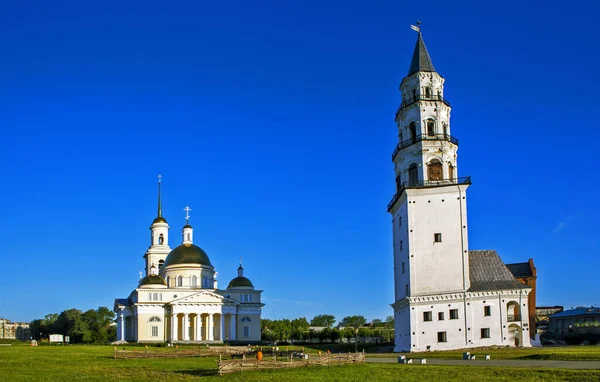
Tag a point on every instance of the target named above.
point(445, 129)
point(434, 170)
point(413, 132)
point(428, 92)
point(193, 281)
point(450, 171)
point(414, 93)
point(205, 282)
point(189, 237)
point(430, 127)
point(398, 182)
point(401, 139)
point(180, 281)
point(160, 263)
point(413, 175)
point(161, 239)
point(168, 279)
point(154, 319)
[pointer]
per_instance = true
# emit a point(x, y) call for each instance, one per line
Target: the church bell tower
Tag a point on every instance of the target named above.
point(429, 207)
point(159, 238)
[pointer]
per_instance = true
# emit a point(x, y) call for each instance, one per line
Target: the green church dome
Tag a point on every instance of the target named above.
point(153, 280)
point(187, 254)
point(240, 281)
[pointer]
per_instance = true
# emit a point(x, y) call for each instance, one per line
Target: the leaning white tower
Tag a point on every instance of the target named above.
point(429, 208)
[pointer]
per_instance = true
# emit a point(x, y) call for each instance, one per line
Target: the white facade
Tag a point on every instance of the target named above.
point(179, 299)
point(446, 297)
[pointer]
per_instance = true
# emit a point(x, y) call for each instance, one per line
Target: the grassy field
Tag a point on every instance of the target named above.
point(95, 363)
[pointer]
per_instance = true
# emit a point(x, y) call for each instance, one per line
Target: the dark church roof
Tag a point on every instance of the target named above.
point(520, 269)
point(421, 62)
point(488, 272)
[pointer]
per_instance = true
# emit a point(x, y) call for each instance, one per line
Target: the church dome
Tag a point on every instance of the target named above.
point(240, 281)
point(153, 280)
point(159, 219)
point(187, 254)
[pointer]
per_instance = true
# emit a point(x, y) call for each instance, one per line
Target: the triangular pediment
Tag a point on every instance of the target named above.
point(203, 297)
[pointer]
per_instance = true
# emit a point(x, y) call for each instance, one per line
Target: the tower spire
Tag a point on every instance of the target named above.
point(421, 61)
point(159, 201)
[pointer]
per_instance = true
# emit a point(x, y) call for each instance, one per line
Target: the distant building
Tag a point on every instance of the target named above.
point(576, 323)
point(14, 330)
point(526, 273)
point(542, 316)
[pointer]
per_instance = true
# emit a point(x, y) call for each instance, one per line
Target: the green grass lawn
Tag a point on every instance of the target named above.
point(95, 363)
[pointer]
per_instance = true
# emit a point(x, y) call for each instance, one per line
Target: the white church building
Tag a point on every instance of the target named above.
point(446, 296)
point(178, 300)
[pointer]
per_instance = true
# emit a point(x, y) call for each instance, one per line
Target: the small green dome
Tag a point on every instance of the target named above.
point(153, 280)
point(240, 281)
point(159, 219)
point(187, 254)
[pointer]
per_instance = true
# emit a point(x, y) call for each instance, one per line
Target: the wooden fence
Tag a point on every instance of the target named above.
point(246, 364)
point(184, 352)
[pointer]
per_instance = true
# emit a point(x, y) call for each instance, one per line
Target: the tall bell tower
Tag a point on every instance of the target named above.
point(429, 207)
point(159, 238)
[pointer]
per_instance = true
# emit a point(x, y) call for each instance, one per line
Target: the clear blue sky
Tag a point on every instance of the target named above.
point(274, 121)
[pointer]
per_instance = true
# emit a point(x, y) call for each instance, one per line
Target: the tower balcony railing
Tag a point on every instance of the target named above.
point(421, 97)
point(424, 137)
point(426, 184)
point(514, 317)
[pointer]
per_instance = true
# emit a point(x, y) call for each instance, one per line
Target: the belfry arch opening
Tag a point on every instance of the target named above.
point(413, 132)
point(430, 127)
point(434, 170)
point(161, 239)
point(413, 174)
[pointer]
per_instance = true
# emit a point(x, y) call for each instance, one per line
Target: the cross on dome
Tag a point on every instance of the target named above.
point(187, 210)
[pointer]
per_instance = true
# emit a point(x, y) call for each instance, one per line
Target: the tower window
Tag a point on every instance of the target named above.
point(161, 239)
point(413, 132)
point(437, 237)
point(441, 337)
point(398, 182)
point(450, 171)
point(399, 221)
point(193, 281)
point(406, 289)
point(180, 281)
point(414, 93)
point(441, 316)
point(403, 267)
point(487, 310)
point(428, 92)
point(430, 127)
point(155, 331)
point(454, 314)
point(246, 331)
point(445, 129)
point(401, 248)
point(427, 316)
point(485, 332)
point(160, 263)
point(168, 279)
point(189, 237)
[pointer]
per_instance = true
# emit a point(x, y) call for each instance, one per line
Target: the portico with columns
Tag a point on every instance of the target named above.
point(179, 300)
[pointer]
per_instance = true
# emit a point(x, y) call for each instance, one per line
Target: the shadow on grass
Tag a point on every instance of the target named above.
point(199, 372)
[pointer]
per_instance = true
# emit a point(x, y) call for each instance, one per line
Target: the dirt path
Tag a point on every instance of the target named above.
point(503, 362)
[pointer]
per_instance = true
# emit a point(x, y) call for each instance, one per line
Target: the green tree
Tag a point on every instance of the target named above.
point(376, 322)
point(353, 321)
point(326, 320)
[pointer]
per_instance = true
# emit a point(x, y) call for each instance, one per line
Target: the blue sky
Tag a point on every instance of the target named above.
point(274, 121)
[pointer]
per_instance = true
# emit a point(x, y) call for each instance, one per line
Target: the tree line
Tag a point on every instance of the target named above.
point(94, 326)
point(324, 328)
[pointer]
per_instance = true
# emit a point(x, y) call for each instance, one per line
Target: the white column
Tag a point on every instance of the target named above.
point(222, 327)
point(197, 327)
point(121, 327)
point(173, 327)
point(210, 327)
point(185, 328)
point(233, 335)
